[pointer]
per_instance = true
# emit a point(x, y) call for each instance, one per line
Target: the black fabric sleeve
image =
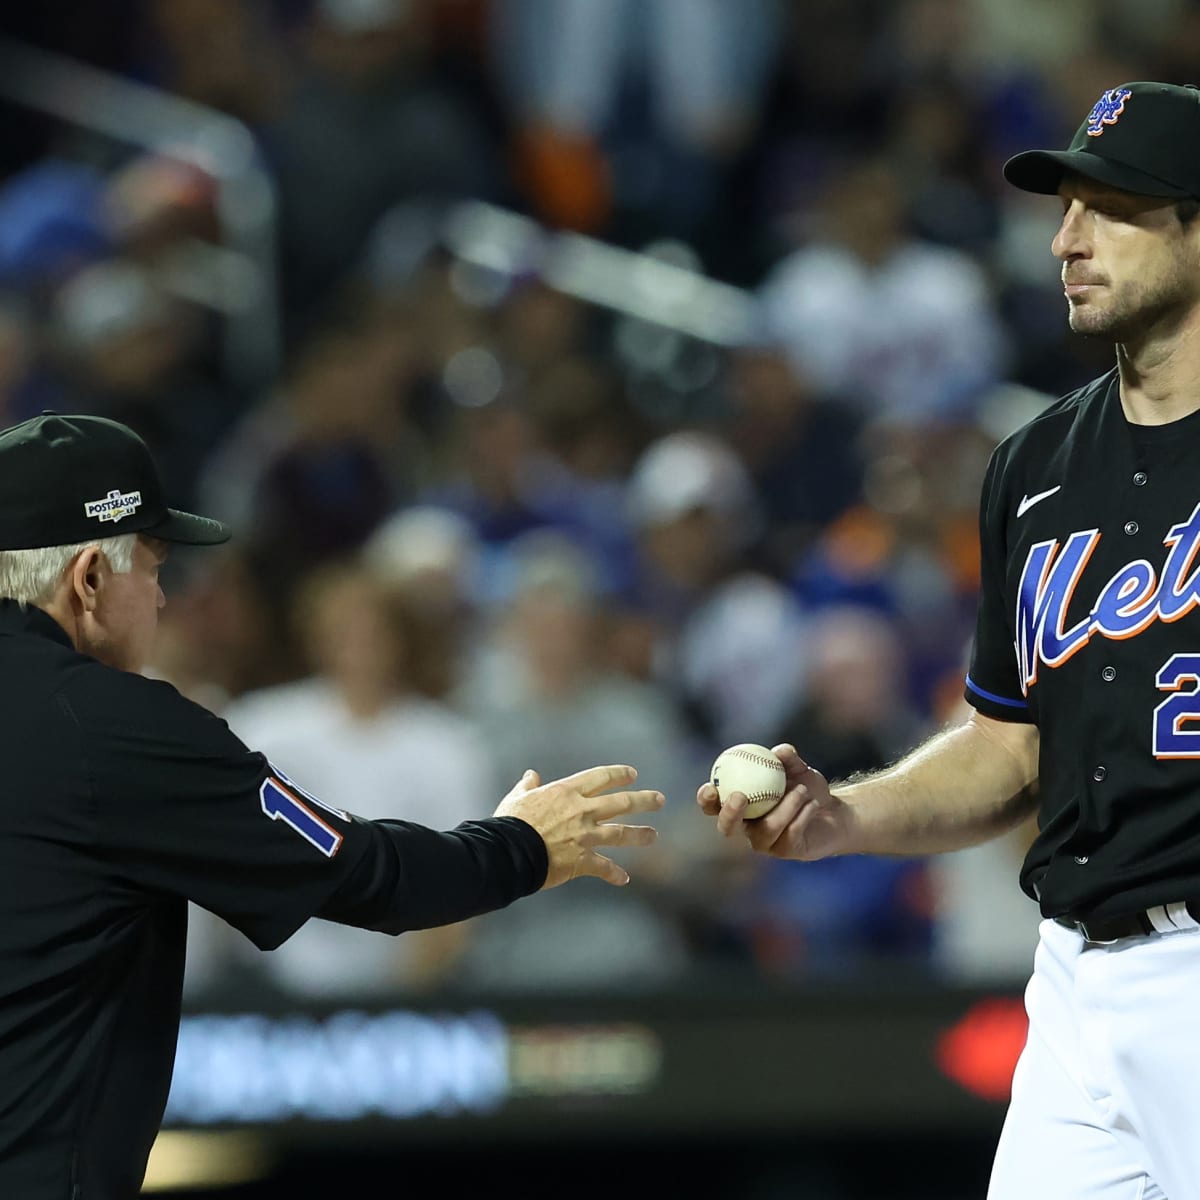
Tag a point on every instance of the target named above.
point(183, 808)
point(411, 877)
point(993, 684)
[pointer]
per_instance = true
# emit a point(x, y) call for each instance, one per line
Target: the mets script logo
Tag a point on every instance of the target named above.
point(114, 506)
point(1108, 108)
point(1134, 598)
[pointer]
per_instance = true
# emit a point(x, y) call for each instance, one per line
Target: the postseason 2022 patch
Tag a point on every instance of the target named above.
point(115, 506)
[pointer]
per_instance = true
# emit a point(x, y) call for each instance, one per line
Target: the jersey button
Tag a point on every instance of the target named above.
point(1108, 674)
point(1131, 527)
point(1099, 774)
point(1139, 478)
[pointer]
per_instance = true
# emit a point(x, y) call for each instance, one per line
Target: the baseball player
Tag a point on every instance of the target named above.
point(1085, 687)
point(122, 801)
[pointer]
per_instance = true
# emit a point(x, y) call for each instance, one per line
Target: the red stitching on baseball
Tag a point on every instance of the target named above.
point(761, 759)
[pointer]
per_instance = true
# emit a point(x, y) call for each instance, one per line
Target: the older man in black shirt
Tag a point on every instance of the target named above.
point(123, 801)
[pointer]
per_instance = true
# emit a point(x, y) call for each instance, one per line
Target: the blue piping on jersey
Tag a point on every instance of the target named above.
point(993, 697)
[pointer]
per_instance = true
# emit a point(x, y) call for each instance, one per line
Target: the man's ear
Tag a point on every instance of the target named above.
point(88, 573)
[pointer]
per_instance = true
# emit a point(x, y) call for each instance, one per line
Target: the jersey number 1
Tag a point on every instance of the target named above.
point(1172, 736)
point(281, 803)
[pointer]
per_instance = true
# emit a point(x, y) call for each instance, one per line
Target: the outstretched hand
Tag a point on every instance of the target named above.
point(808, 822)
point(575, 815)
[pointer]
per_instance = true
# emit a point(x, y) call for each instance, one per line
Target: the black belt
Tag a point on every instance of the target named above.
point(1113, 929)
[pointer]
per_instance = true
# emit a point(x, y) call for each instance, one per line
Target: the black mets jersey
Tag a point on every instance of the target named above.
point(1088, 627)
point(121, 802)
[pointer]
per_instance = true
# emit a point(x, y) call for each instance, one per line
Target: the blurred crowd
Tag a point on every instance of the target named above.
point(483, 523)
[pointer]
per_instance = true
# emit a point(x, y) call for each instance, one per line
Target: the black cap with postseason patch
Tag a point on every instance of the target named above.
point(71, 479)
point(1139, 137)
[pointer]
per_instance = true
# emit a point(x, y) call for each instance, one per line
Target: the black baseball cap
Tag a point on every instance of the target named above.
point(1139, 137)
point(69, 479)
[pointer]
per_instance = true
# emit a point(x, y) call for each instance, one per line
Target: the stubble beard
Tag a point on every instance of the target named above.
point(1089, 321)
point(1132, 313)
point(1127, 318)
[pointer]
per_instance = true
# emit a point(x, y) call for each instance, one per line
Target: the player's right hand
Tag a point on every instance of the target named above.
point(575, 815)
point(807, 824)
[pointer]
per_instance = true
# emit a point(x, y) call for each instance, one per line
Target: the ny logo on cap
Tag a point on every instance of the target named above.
point(114, 506)
point(1108, 108)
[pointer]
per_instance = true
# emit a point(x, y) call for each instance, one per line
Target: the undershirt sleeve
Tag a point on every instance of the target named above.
point(993, 685)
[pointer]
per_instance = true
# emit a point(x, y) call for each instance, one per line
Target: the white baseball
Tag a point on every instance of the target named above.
point(754, 771)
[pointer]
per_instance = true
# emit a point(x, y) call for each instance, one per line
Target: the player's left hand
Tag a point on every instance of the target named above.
point(808, 822)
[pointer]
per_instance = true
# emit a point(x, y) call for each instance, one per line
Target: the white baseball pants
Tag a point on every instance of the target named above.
point(1106, 1095)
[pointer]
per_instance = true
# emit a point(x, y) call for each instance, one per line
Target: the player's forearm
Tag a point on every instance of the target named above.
point(962, 787)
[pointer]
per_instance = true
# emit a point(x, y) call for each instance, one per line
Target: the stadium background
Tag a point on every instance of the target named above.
point(586, 381)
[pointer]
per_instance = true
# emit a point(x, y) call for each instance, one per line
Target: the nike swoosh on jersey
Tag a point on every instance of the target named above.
point(1027, 502)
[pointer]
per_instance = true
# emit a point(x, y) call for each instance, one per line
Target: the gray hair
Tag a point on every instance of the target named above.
point(32, 576)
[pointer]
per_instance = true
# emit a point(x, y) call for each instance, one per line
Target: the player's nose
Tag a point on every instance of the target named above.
point(1070, 240)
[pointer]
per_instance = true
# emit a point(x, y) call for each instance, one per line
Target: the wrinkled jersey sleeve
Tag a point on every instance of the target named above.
point(184, 808)
point(993, 684)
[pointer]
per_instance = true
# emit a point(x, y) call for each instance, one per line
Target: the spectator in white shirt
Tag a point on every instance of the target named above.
point(361, 738)
point(904, 327)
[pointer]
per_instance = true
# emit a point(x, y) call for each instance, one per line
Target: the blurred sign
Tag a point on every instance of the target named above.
point(764, 1061)
point(980, 1051)
point(249, 1067)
